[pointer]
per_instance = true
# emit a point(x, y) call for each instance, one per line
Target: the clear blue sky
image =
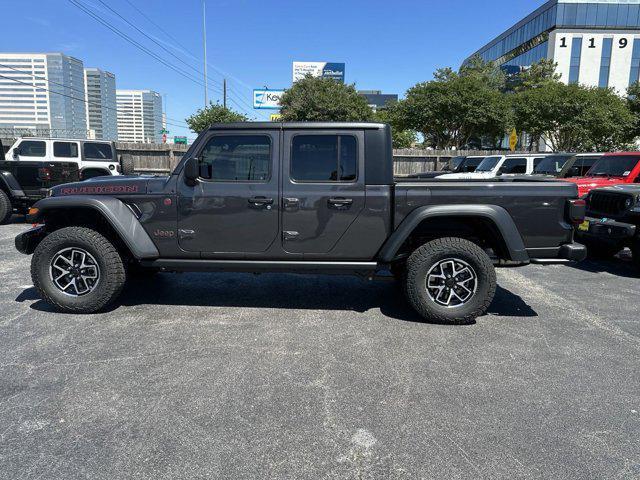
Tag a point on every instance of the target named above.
point(386, 46)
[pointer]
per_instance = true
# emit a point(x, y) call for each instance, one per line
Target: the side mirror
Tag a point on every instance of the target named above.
point(16, 153)
point(191, 170)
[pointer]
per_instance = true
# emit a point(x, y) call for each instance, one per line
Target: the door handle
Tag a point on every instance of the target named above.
point(340, 202)
point(257, 201)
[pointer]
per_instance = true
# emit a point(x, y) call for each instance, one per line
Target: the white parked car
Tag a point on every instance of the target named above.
point(95, 158)
point(497, 165)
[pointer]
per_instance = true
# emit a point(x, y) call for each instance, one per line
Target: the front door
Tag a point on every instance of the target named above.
point(323, 189)
point(233, 208)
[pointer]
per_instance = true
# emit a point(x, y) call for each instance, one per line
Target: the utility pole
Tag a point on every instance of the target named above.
point(204, 43)
point(224, 92)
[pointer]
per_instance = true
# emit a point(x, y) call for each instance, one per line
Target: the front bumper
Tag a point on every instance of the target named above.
point(607, 229)
point(27, 241)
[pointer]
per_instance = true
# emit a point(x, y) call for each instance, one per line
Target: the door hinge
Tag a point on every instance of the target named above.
point(185, 234)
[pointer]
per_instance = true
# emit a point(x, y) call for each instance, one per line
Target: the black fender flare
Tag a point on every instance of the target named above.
point(9, 183)
point(496, 214)
point(119, 216)
point(106, 171)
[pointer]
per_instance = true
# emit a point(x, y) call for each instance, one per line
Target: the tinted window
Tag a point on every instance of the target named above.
point(31, 148)
point(614, 166)
point(65, 149)
point(324, 158)
point(514, 165)
point(456, 162)
point(585, 163)
point(470, 164)
point(236, 158)
point(97, 151)
point(488, 164)
point(550, 165)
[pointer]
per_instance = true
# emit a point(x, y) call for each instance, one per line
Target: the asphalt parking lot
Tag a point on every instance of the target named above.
point(279, 376)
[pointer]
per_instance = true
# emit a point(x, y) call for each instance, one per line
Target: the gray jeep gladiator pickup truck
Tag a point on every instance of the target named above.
point(298, 198)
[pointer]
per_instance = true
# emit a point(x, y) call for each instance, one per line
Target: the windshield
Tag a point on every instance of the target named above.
point(614, 166)
point(551, 165)
point(488, 164)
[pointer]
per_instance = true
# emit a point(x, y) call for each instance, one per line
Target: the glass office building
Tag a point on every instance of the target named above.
point(42, 94)
point(594, 42)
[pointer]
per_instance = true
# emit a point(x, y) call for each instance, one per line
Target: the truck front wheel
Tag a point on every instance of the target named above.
point(77, 270)
point(450, 280)
point(6, 209)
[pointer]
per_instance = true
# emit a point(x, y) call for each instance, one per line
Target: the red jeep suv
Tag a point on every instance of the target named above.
point(611, 169)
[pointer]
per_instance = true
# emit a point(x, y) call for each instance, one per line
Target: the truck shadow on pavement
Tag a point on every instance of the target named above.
point(281, 291)
point(621, 267)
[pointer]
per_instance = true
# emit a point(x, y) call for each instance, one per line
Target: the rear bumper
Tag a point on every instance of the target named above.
point(27, 241)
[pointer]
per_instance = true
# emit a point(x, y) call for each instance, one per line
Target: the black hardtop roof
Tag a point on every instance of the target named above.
point(297, 126)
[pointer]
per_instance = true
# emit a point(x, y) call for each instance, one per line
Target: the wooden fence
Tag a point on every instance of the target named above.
point(162, 158)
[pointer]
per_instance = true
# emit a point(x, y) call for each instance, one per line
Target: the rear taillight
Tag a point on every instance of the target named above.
point(577, 209)
point(44, 174)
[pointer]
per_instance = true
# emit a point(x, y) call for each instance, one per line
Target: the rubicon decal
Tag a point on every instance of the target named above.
point(99, 190)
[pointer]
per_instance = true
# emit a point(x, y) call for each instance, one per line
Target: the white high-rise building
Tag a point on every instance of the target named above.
point(139, 116)
point(101, 104)
point(42, 94)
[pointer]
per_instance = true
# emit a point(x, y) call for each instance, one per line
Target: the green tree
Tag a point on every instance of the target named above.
point(536, 75)
point(454, 107)
point(315, 99)
point(402, 138)
point(633, 103)
point(574, 117)
point(213, 113)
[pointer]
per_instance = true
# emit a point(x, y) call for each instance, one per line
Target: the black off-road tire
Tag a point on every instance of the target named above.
point(112, 270)
point(600, 250)
point(635, 253)
point(126, 164)
point(6, 209)
point(430, 254)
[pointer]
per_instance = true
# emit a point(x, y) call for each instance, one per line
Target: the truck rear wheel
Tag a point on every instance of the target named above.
point(635, 253)
point(450, 280)
point(599, 250)
point(6, 209)
point(77, 270)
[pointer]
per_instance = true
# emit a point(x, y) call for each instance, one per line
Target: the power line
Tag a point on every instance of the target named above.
point(37, 77)
point(154, 41)
point(88, 102)
point(184, 48)
point(135, 43)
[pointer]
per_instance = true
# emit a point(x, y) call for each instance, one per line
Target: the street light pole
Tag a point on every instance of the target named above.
point(204, 43)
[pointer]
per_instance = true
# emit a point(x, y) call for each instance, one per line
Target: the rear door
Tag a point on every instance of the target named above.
point(233, 207)
point(30, 157)
point(323, 188)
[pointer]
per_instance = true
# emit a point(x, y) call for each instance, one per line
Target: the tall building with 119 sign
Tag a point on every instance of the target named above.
point(594, 42)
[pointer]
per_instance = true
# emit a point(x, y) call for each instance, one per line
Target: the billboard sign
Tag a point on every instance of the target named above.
point(267, 99)
point(319, 69)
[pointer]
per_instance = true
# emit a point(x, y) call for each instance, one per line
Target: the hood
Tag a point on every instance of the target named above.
point(586, 184)
point(116, 185)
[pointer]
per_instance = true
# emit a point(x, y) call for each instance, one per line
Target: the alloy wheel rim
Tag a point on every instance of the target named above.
point(74, 271)
point(451, 283)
